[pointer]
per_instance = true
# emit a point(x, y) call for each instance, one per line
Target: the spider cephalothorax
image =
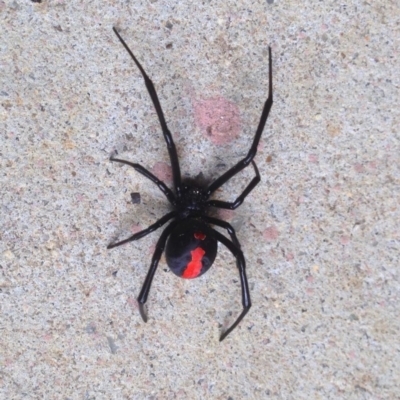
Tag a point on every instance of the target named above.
point(190, 241)
point(192, 200)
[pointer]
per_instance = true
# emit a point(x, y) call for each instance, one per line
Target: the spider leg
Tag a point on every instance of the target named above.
point(144, 293)
point(161, 185)
point(253, 149)
point(228, 227)
point(176, 172)
point(241, 264)
point(144, 232)
point(235, 204)
point(225, 225)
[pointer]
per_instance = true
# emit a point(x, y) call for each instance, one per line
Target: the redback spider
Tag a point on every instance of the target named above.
point(189, 241)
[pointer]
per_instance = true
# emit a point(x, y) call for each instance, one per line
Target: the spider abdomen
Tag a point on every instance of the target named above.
point(191, 249)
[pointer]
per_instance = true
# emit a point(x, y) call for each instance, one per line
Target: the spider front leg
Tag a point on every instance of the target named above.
point(235, 204)
point(176, 172)
point(253, 149)
point(241, 264)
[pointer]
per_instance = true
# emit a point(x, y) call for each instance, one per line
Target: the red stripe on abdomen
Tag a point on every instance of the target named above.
point(193, 269)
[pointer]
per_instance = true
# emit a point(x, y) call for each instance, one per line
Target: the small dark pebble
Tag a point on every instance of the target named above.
point(135, 197)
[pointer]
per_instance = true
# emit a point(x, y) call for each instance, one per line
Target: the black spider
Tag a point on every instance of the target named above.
point(190, 241)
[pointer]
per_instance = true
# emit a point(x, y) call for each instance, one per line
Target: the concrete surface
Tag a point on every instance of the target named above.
point(320, 233)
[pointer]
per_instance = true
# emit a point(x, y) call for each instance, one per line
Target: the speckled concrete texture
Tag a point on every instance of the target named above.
point(320, 233)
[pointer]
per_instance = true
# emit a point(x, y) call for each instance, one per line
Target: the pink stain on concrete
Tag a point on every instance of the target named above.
point(359, 168)
point(344, 239)
point(152, 249)
point(135, 228)
point(224, 214)
point(218, 118)
point(310, 279)
point(80, 197)
point(301, 200)
point(372, 165)
point(132, 303)
point(162, 171)
point(271, 234)
point(289, 256)
point(352, 355)
point(48, 337)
